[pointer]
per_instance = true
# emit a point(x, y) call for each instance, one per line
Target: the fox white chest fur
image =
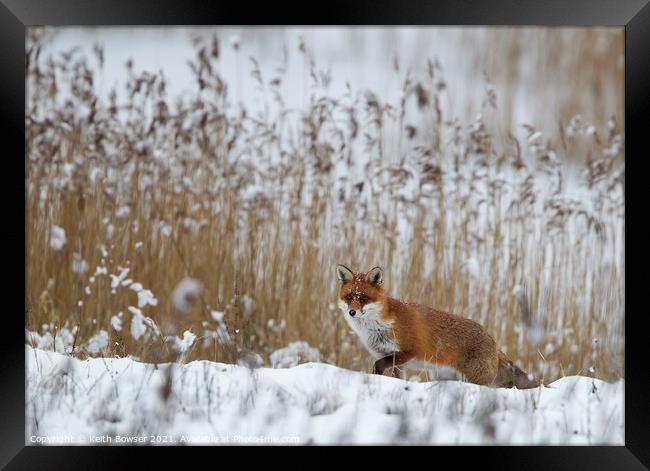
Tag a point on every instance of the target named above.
point(374, 332)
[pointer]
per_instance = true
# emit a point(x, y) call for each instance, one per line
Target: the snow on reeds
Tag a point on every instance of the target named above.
point(160, 225)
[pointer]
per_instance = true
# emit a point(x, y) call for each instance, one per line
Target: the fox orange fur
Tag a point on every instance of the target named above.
point(397, 332)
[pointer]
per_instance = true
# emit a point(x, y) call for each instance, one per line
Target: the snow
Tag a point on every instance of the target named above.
point(140, 323)
point(182, 345)
point(137, 325)
point(145, 296)
point(79, 265)
point(217, 315)
point(185, 293)
point(62, 340)
point(116, 322)
point(116, 280)
point(472, 267)
point(315, 402)
point(97, 342)
point(122, 212)
point(294, 354)
point(57, 238)
point(115, 401)
point(251, 360)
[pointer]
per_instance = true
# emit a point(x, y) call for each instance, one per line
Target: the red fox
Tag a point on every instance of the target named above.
point(396, 332)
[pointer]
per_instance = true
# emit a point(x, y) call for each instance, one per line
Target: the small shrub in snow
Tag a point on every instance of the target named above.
point(220, 333)
point(250, 359)
point(44, 342)
point(294, 354)
point(59, 340)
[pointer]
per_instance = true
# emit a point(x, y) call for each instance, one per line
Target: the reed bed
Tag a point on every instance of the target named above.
point(161, 225)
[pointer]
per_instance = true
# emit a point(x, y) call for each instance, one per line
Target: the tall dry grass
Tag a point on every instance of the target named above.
point(259, 208)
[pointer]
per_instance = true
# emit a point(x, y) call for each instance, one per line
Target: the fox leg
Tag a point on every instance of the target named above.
point(394, 360)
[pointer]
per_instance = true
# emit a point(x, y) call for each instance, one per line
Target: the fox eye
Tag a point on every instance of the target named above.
point(348, 298)
point(363, 299)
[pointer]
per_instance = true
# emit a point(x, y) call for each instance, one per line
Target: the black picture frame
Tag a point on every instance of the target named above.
point(633, 15)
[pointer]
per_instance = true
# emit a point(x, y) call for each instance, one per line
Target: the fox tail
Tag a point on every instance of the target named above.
point(510, 375)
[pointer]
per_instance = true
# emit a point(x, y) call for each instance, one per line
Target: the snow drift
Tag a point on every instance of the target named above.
point(122, 401)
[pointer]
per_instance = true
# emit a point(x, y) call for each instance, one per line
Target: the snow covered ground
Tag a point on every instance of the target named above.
point(120, 401)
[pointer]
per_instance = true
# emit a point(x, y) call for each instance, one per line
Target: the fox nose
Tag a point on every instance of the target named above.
point(352, 312)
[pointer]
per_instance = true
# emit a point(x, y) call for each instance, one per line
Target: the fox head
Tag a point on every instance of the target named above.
point(361, 295)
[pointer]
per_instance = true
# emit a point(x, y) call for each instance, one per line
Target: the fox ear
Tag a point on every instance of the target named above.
point(344, 273)
point(375, 276)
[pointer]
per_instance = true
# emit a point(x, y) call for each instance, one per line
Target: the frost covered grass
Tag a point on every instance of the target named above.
point(202, 227)
point(118, 401)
